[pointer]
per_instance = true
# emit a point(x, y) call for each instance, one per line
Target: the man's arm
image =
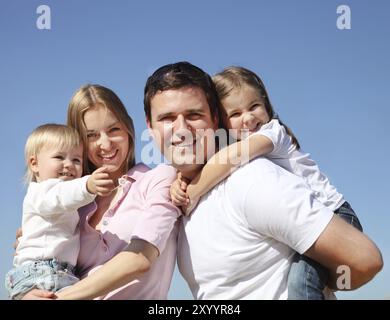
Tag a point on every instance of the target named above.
point(340, 244)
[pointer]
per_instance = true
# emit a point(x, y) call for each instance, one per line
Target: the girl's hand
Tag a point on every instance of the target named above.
point(37, 294)
point(99, 183)
point(187, 210)
point(178, 191)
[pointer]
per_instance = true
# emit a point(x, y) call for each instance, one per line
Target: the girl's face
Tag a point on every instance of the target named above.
point(107, 140)
point(245, 111)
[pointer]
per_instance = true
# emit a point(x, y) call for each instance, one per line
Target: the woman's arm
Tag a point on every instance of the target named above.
point(123, 268)
point(225, 162)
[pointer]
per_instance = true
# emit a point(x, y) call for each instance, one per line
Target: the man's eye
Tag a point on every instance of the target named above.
point(166, 119)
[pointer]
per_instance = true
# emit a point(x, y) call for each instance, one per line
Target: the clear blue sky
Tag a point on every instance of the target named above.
point(329, 85)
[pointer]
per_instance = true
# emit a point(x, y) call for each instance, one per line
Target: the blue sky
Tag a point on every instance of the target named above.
point(329, 85)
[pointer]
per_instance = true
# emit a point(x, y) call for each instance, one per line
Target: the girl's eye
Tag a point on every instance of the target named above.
point(254, 107)
point(76, 160)
point(235, 114)
point(59, 157)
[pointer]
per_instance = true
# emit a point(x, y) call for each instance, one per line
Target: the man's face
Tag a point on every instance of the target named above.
point(182, 125)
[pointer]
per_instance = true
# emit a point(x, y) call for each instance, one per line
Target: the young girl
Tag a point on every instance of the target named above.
point(47, 252)
point(250, 118)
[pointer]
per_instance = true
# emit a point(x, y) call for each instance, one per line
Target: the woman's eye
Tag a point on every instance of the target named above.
point(91, 135)
point(233, 115)
point(76, 160)
point(114, 129)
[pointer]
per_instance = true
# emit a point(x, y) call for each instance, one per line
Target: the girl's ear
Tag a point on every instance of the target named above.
point(33, 164)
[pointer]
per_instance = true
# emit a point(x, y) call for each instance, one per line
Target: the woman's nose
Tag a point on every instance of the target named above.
point(104, 142)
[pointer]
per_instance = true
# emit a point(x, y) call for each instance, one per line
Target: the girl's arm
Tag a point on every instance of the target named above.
point(224, 163)
point(123, 268)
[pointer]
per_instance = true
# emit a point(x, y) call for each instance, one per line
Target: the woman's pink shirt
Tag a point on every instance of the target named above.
point(144, 211)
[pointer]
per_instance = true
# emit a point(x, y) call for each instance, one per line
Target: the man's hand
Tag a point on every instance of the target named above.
point(99, 183)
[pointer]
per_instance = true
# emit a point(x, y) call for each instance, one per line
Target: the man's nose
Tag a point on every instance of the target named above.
point(181, 129)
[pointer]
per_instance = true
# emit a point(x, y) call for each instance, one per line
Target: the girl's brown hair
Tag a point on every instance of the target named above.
point(234, 77)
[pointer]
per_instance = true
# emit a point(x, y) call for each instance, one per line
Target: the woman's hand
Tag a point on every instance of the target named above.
point(37, 294)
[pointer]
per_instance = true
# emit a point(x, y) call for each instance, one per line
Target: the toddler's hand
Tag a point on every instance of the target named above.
point(99, 183)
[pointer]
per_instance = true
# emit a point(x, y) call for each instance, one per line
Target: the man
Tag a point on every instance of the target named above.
point(240, 240)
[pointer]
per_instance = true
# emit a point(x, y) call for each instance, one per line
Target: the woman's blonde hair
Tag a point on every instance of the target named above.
point(88, 97)
point(49, 135)
point(234, 77)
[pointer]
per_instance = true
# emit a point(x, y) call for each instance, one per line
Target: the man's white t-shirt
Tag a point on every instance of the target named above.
point(286, 155)
point(240, 240)
point(50, 220)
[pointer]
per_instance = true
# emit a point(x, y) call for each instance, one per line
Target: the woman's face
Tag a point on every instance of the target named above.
point(107, 140)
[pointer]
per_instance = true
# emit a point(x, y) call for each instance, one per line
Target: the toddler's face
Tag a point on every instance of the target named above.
point(53, 162)
point(244, 111)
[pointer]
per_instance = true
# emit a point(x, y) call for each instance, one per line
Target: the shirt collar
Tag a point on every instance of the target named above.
point(136, 172)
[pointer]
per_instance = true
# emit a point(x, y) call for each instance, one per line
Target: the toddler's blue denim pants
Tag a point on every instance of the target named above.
point(307, 278)
point(50, 275)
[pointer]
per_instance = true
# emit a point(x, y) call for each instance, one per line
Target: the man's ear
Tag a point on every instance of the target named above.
point(149, 125)
point(33, 164)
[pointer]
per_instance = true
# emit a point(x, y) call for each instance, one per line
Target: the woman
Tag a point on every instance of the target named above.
point(132, 231)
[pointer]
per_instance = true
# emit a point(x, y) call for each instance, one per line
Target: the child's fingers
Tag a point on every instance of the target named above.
point(105, 182)
point(103, 191)
point(183, 185)
point(100, 170)
point(101, 176)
